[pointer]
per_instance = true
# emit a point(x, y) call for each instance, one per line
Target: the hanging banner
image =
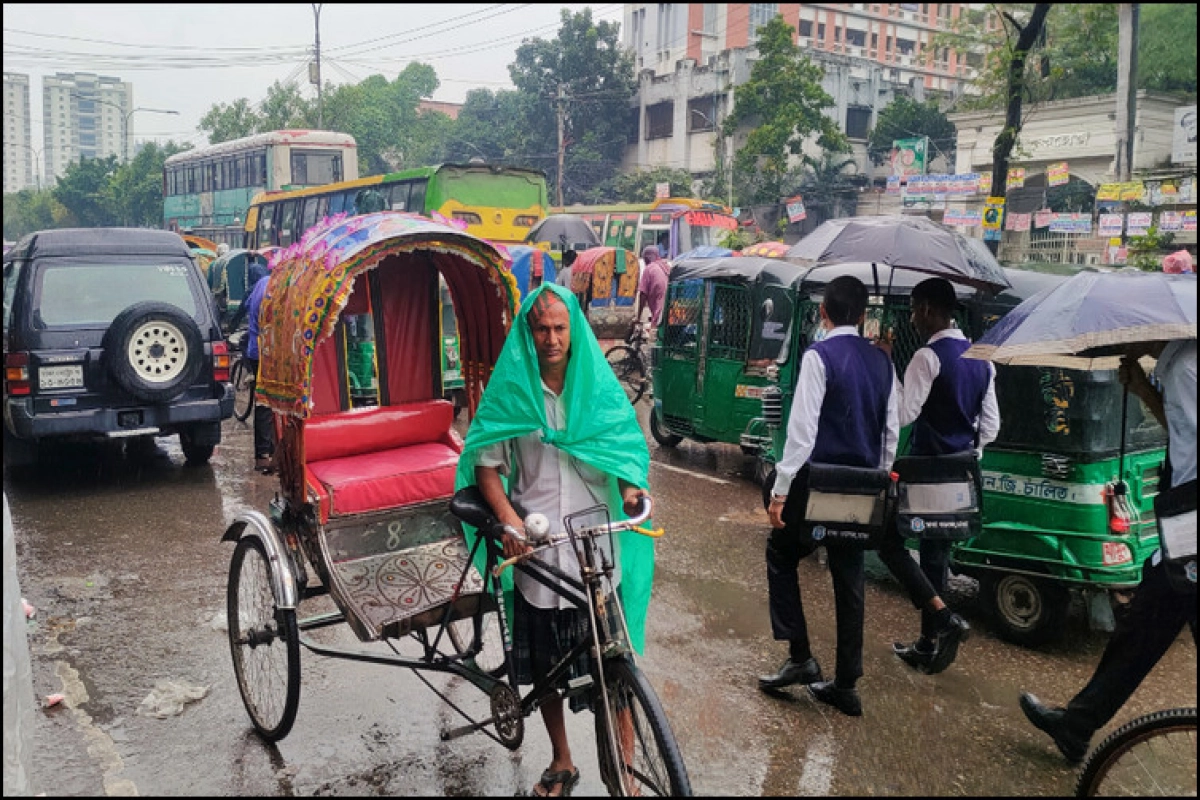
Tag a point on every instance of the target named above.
point(1134, 190)
point(795, 209)
point(893, 184)
point(1016, 178)
point(1058, 174)
point(985, 182)
point(1042, 218)
point(962, 218)
point(909, 156)
point(662, 190)
point(1170, 221)
point(1071, 223)
point(1108, 191)
point(1112, 224)
point(1189, 220)
point(1017, 222)
point(1138, 223)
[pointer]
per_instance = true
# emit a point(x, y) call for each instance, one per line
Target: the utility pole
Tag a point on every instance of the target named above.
point(560, 103)
point(317, 77)
point(1127, 37)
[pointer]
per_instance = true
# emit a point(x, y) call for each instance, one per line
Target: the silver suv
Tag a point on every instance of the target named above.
point(110, 333)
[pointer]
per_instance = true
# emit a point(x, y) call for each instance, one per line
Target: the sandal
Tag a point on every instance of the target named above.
point(564, 779)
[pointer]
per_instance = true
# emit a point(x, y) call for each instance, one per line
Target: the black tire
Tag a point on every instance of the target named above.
point(659, 431)
point(490, 659)
point(629, 370)
point(1151, 756)
point(196, 455)
point(243, 390)
point(264, 641)
point(655, 764)
point(153, 351)
point(1027, 610)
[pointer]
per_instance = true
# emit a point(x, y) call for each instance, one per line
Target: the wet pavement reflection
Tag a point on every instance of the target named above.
point(121, 555)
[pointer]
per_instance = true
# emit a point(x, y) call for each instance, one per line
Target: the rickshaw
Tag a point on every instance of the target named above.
point(606, 277)
point(531, 266)
point(367, 512)
point(227, 278)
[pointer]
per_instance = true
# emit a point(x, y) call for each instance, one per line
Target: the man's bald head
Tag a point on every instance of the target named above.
point(543, 303)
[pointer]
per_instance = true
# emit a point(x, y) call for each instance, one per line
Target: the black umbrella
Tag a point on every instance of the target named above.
point(902, 242)
point(566, 231)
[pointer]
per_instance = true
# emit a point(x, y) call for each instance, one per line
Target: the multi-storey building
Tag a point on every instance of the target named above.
point(85, 115)
point(19, 152)
point(689, 57)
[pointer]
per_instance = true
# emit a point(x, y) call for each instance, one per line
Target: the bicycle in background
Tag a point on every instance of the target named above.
point(630, 362)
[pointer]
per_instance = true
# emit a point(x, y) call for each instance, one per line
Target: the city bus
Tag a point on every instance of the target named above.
point(207, 190)
point(497, 203)
point(675, 224)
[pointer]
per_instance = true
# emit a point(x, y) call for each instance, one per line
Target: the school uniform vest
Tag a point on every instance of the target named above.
point(947, 421)
point(858, 381)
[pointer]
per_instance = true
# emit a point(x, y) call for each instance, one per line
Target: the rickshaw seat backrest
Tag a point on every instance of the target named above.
point(372, 430)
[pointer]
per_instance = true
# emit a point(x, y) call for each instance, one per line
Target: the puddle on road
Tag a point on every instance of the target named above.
point(726, 610)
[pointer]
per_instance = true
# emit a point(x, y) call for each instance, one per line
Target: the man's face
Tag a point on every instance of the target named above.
point(550, 324)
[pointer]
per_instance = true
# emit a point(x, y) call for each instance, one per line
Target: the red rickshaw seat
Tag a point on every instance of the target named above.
point(381, 458)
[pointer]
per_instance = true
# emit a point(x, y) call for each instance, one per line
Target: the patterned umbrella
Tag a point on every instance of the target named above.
point(767, 249)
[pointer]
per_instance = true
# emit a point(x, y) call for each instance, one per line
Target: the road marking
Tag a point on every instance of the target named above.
point(689, 472)
point(817, 776)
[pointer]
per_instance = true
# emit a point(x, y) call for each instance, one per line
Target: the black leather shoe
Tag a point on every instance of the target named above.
point(914, 657)
point(949, 638)
point(792, 673)
point(844, 700)
point(1053, 721)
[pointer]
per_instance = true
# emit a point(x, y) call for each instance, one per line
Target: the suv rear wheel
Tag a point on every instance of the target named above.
point(154, 351)
point(197, 455)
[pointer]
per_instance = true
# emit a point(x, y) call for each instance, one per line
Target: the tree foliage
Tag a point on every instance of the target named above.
point(905, 118)
point(595, 74)
point(640, 186)
point(782, 106)
point(1079, 52)
point(32, 210)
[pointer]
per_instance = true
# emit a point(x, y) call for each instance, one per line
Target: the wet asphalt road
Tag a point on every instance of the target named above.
point(121, 556)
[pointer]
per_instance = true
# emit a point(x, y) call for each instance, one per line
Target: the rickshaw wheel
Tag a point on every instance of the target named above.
point(490, 658)
point(629, 370)
point(264, 641)
point(506, 710)
point(1028, 611)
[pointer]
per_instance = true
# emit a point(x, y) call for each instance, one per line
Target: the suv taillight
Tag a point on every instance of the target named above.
point(16, 373)
point(220, 362)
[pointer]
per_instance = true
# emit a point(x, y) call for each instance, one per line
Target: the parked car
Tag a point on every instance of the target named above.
point(110, 333)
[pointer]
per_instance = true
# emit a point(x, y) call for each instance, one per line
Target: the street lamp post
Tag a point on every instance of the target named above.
point(125, 119)
point(37, 155)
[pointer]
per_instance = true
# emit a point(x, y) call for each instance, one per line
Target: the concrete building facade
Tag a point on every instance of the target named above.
point(85, 115)
point(20, 153)
point(689, 57)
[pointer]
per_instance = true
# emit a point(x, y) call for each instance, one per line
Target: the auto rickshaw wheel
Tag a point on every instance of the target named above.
point(660, 433)
point(1027, 610)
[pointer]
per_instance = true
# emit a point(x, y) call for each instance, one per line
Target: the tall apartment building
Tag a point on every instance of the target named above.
point(690, 56)
point(19, 152)
point(85, 115)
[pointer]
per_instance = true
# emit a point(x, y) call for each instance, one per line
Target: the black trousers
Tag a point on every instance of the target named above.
point(1153, 621)
point(264, 422)
point(785, 549)
point(922, 583)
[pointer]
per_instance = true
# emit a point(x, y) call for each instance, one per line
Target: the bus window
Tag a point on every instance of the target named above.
point(266, 227)
point(348, 202)
point(322, 206)
point(416, 200)
point(336, 203)
point(308, 215)
point(400, 194)
point(287, 222)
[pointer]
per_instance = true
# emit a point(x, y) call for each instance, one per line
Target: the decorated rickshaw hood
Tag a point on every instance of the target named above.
point(312, 280)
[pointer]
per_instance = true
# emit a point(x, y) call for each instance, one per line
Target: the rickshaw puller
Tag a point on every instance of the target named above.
point(547, 479)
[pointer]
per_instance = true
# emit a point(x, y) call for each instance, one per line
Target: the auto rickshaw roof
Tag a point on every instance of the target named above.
point(740, 269)
point(312, 280)
point(890, 281)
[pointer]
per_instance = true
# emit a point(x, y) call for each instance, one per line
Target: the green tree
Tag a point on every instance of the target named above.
point(594, 74)
point(285, 107)
point(87, 191)
point(1167, 47)
point(826, 187)
point(137, 185)
point(31, 210)
point(224, 122)
point(640, 186)
point(782, 106)
point(489, 126)
point(905, 118)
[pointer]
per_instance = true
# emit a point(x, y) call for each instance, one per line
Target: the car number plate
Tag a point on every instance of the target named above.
point(65, 377)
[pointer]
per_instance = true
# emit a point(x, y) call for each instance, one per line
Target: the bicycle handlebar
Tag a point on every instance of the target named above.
point(634, 524)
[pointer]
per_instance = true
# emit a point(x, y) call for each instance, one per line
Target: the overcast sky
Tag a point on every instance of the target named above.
point(187, 58)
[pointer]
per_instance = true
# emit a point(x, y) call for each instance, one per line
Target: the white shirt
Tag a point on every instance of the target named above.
point(1176, 372)
point(918, 381)
point(806, 411)
point(551, 482)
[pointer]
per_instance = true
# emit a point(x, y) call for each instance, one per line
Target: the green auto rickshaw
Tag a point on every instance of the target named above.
point(725, 367)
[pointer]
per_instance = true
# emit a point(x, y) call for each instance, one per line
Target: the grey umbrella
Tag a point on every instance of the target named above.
point(902, 242)
point(564, 230)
